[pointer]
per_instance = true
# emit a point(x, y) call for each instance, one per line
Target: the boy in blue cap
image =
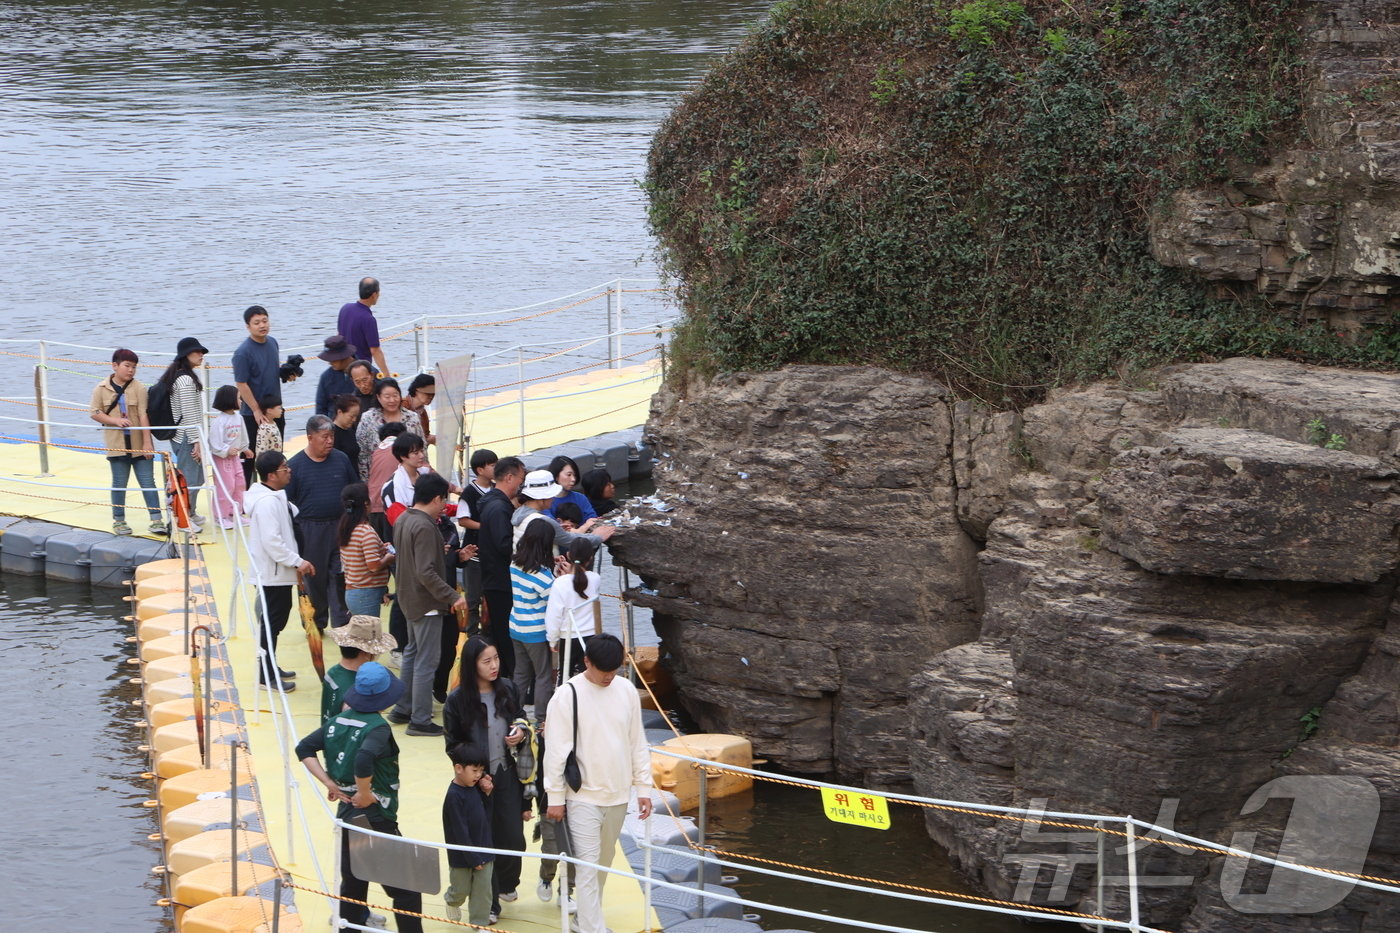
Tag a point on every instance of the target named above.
point(362, 774)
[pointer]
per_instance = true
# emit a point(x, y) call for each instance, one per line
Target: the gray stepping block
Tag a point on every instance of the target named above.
point(715, 925)
point(657, 736)
point(654, 719)
point(676, 864)
point(665, 830)
point(674, 906)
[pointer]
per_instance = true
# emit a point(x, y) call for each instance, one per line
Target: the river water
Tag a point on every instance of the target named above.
point(167, 164)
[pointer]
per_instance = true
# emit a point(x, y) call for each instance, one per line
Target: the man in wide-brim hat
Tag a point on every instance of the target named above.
point(361, 640)
point(340, 353)
point(362, 774)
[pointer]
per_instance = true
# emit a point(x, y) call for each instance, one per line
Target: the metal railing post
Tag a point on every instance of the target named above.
point(233, 818)
point(562, 875)
point(1133, 918)
point(336, 871)
point(420, 345)
point(1099, 881)
point(41, 411)
point(631, 634)
point(276, 901)
point(700, 821)
point(646, 873)
point(615, 327)
point(520, 361)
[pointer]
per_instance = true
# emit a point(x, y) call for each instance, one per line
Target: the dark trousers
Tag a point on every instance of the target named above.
point(471, 585)
point(326, 585)
point(251, 424)
point(279, 607)
point(448, 655)
point(498, 603)
point(507, 829)
point(353, 887)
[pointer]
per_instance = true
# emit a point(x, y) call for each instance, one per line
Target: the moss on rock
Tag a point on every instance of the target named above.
point(964, 189)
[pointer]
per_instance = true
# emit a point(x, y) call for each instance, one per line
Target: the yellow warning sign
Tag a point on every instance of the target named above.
point(869, 810)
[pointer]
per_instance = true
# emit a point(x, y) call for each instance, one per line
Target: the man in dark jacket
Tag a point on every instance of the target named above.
point(424, 595)
point(494, 551)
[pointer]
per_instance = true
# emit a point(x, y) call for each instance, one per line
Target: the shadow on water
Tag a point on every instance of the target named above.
point(788, 824)
point(77, 817)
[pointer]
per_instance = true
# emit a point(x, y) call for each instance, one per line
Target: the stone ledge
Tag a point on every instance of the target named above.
point(1234, 503)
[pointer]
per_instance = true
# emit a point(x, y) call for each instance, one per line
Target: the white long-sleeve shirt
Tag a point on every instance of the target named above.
point(569, 615)
point(272, 542)
point(612, 754)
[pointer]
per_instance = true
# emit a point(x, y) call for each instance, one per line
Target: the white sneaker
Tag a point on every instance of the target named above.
point(509, 896)
point(396, 658)
point(378, 922)
point(544, 891)
point(491, 918)
point(454, 913)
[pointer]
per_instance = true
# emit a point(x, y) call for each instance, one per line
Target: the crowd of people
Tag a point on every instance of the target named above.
point(365, 528)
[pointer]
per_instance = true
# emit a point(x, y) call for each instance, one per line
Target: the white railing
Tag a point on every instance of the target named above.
point(513, 368)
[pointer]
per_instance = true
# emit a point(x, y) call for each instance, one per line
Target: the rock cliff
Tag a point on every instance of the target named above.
point(1317, 228)
point(1146, 601)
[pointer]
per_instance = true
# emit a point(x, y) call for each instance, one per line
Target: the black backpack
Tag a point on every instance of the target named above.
point(158, 410)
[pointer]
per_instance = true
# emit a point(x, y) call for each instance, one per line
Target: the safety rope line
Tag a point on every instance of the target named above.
point(565, 372)
point(559, 427)
point(403, 913)
point(33, 440)
point(20, 401)
point(919, 889)
point(65, 359)
point(513, 320)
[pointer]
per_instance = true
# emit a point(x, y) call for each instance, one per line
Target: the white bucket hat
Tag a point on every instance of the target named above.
point(540, 484)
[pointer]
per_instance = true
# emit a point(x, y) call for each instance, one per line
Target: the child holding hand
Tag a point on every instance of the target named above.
point(466, 821)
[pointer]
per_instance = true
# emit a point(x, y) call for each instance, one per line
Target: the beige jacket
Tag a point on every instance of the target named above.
point(112, 438)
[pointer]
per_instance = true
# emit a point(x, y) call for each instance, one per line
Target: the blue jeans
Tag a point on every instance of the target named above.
point(192, 468)
point(366, 602)
point(145, 476)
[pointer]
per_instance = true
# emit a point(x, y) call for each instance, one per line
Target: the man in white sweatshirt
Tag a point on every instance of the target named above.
point(613, 758)
point(275, 562)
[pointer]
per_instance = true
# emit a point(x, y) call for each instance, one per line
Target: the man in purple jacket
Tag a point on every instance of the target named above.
point(358, 326)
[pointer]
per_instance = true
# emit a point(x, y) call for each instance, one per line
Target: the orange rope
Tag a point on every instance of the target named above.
point(565, 372)
point(513, 320)
point(938, 892)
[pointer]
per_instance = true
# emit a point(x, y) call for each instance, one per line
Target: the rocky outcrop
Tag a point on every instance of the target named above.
point(1130, 601)
point(1318, 227)
point(808, 568)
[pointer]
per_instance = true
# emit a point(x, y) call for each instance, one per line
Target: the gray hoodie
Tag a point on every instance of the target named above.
point(562, 538)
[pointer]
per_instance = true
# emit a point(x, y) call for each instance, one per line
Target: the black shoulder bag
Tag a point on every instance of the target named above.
point(573, 775)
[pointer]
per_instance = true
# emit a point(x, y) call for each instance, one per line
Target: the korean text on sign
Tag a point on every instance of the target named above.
point(858, 809)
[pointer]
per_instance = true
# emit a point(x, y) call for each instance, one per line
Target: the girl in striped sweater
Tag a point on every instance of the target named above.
point(531, 575)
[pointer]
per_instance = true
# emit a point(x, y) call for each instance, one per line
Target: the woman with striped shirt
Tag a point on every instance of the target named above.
point(531, 575)
point(363, 556)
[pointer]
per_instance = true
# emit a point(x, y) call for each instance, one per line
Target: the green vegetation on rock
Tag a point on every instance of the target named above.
point(963, 188)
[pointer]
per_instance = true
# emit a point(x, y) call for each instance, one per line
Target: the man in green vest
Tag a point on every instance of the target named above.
point(362, 774)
